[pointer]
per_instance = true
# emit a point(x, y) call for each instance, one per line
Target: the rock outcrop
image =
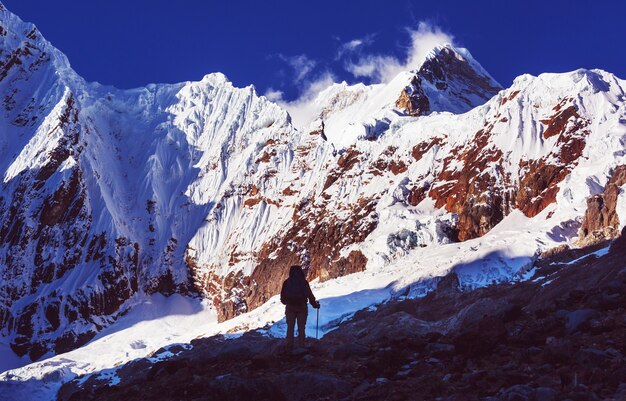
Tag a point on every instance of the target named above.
point(601, 221)
point(413, 101)
point(454, 73)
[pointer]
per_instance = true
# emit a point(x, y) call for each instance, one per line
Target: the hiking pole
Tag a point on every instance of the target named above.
point(317, 324)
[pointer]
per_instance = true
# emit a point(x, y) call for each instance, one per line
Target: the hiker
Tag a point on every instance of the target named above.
point(294, 294)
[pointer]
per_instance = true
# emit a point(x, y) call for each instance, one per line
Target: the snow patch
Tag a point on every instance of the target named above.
point(620, 207)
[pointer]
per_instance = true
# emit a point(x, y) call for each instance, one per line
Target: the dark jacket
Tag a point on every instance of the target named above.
point(296, 290)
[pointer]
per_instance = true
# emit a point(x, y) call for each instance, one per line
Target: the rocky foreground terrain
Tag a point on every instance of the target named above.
point(558, 336)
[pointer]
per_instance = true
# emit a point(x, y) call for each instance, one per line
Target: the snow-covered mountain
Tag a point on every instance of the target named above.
point(201, 188)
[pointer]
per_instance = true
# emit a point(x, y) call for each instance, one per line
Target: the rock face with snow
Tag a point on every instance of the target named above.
point(204, 188)
point(104, 190)
point(601, 220)
point(447, 81)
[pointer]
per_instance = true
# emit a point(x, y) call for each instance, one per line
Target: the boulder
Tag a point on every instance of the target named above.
point(439, 349)
point(574, 319)
point(595, 357)
point(545, 394)
point(397, 327)
point(557, 350)
point(311, 386)
point(350, 350)
point(518, 392)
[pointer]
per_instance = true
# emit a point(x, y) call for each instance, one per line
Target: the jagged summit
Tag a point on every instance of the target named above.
point(449, 80)
point(453, 80)
point(444, 54)
point(23, 40)
point(215, 78)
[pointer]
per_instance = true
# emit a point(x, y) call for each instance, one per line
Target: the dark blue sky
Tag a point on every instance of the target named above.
point(129, 43)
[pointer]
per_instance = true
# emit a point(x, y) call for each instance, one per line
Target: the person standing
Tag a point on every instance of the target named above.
point(294, 295)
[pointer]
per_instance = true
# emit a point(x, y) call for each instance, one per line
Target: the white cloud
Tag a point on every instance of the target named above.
point(274, 95)
point(349, 47)
point(383, 68)
point(379, 68)
point(303, 109)
point(353, 46)
point(309, 83)
point(301, 64)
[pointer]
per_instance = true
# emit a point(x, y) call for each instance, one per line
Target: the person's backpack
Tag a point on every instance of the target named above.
point(293, 293)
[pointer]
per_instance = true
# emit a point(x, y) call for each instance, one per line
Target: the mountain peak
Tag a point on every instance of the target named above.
point(449, 79)
point(215, 78)
point(446, 62)
point(21, 40)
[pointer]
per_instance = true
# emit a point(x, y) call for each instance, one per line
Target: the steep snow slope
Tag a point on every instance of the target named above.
point(104, 189)
point(111, 195)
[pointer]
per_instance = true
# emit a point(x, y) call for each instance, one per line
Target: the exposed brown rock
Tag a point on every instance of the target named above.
point(63, 222)
point(70, 341)
point(449, 66)
point(556, 124)
point(266, 156)
point(26, 58)
point(251, 202)
point(70, 113)
point(422, 148)
point(538, 186)
point(229, 294)
point(268, 152)
point(348, 159)
point(354, 263)
point(539, 179)
point(413, 101)
point(66, 203)
point(32, 34)
point(601, 221)
point(387, 162)
point(511, 96)
point(12, 59)
point(482, 200)
point(397, 167)
point(289, 192)
point(473, 194)
point(315, 233)
point(417, 194)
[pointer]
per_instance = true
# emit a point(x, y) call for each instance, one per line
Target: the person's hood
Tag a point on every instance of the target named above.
point(296, 272)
